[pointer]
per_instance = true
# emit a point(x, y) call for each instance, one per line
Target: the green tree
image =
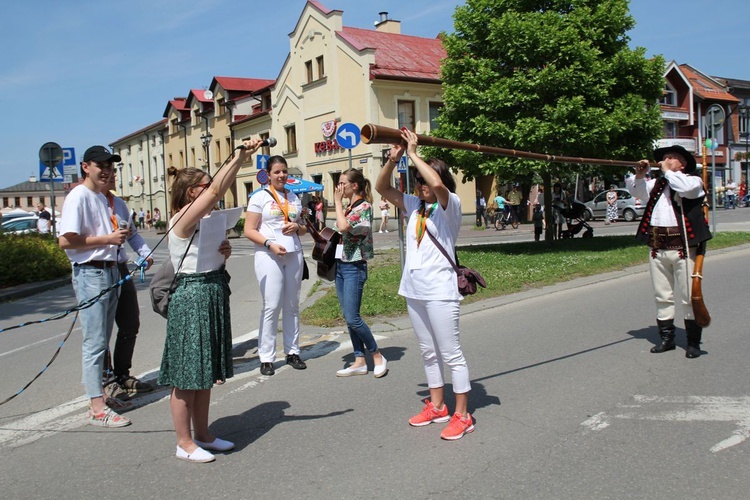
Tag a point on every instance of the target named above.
point(548, 76)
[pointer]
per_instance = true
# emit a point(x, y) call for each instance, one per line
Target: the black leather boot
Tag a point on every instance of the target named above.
point(694, 333)
point(666, 331)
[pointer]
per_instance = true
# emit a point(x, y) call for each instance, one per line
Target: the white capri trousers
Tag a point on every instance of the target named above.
point(435, 323)
point(671, 278)
point(280, 280)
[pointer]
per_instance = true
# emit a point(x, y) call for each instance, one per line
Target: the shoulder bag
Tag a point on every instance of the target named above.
point(164, 283)
point(467, 278)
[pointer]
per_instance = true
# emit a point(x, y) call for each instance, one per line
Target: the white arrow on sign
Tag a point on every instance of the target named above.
point(350, 136)
point(685, 409)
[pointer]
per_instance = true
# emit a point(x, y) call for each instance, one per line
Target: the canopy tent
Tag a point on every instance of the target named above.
point(298, 186)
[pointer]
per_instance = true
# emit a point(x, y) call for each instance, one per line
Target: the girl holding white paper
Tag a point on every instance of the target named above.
point(198, 346)
point(273, 224)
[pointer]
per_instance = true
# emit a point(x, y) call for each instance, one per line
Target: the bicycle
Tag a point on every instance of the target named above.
point(502, 219)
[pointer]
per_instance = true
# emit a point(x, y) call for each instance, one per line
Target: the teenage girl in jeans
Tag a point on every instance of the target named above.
point(429, 282)
point(355, 226)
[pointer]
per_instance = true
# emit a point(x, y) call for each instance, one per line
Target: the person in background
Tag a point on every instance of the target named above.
point(157, 216)
point(729, 194)
point(673, 208)
point(501, 208)
point(198, 346)
point(320, 213)
point(355, 226)
point(429, 282)
point(91, 238)
point(121, 385)
point(148, 219)
point(559, 201)
point(385, 208)
point(514, 200)
point(481, 208)
point(273, 223)
point(141, 218)
point(44, 222)
point(538, 218)
point(611, 197)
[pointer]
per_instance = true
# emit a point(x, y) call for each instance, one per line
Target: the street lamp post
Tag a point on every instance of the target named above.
point(745, 133)
point(206, 140)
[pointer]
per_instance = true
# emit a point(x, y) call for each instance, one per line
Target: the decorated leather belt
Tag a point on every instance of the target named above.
point(665, 238)
point(99, 264)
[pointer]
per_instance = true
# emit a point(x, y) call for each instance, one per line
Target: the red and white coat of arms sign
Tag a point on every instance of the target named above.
point(328, 128)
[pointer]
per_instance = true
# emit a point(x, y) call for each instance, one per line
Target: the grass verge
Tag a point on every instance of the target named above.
point(507, 268)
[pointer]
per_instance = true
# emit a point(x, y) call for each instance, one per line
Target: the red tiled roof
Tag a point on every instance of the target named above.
point(199, 94)
point(178, 103)
point(322, 8)
point(248, 85)
point(706, 87)
point(399, 57)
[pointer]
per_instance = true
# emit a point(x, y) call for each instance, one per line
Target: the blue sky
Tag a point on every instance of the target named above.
point(82, 72)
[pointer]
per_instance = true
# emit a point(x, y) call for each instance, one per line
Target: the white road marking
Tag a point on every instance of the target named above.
point(61, 418)
point(685, 409)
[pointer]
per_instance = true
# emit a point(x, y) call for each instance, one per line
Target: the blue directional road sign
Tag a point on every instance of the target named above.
point(348, 135)
point(261, 161)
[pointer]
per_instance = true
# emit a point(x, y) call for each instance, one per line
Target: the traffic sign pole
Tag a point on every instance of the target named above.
point(51, 154)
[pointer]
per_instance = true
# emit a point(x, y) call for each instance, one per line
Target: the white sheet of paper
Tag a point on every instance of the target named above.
point(232, 215)
point(286, 241)
point(339, 252)
point(212, 231)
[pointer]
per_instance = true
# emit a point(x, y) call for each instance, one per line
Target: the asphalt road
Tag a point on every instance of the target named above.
point(567, 399)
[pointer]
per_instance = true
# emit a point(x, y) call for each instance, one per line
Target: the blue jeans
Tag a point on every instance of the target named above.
point(350, 283)
point(96, 321)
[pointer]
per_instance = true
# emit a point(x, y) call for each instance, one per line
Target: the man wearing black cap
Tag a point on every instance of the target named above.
point(664, 229)
point(91, 238)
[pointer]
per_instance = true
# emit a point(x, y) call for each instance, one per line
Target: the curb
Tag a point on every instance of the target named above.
point(28, 289)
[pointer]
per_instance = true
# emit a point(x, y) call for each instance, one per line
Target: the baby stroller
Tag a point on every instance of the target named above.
point(576, 211)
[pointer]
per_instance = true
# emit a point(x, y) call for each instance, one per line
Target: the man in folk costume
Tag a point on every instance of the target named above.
point(664, 229)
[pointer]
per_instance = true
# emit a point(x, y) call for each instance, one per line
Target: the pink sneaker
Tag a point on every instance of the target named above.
point(457, 427)
point(429, 414)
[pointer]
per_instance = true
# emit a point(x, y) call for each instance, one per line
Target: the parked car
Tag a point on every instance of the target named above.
point(629, 207)
point(21, 225)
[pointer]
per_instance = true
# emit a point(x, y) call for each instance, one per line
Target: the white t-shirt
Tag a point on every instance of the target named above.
point(86, 213)
point(427, 273)
point(272, 217)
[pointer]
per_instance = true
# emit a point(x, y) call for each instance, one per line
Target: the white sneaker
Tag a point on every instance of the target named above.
point(348, 372)
point(381, 232)
point(199, 455)
point(386, 230)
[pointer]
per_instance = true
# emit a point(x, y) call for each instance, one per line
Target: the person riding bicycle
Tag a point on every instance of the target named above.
point(501, 208)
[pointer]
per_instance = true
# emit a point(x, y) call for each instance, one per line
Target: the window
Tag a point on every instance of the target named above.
point(670, 129)
point(669, 96)
point(192, 157)
point(321, 67)
point(173, 127)
point(182, 158)
point(29, 201)
point(217, 156)
point(291, 139)
point(41, 200)
point(221, 106)
point(5, 202)
point(248, 188)
point(309, 70)
point(18, 201)
point(266, 102)
point(435, 108)
point(229, 146)
point(406, 114)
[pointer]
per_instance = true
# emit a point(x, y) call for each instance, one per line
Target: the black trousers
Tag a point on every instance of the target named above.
point(128, 321)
